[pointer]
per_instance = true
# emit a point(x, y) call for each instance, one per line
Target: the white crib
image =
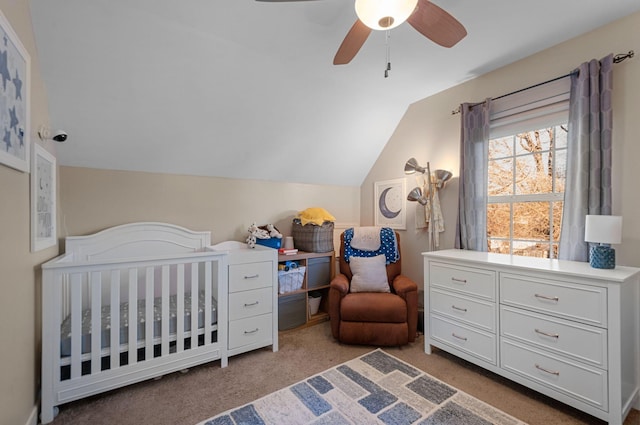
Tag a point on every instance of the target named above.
point(127, 304)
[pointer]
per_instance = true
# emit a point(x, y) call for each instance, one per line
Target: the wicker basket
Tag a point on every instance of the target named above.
point(313, 238)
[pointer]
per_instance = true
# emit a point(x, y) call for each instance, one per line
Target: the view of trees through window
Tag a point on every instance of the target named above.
point(527, 174)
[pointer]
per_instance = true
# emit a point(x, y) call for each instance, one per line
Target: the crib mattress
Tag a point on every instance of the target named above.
point(65, 327)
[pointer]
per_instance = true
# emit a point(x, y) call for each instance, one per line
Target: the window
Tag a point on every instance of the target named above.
point(525, 192)
point(527, 158)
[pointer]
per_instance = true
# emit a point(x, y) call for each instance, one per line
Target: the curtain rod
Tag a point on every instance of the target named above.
point(616, 59)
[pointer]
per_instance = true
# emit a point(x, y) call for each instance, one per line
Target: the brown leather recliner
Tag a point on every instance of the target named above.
point(373, 318)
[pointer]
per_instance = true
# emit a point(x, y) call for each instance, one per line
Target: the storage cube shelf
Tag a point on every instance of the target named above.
point(317, 271)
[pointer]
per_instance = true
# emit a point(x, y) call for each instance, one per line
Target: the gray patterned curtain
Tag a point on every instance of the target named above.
point(588, 185)
point(471, 229)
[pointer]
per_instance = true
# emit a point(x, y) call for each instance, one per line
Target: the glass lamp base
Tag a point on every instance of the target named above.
point(602, 257)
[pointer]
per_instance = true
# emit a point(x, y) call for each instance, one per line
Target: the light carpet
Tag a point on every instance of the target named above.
point(376, 388)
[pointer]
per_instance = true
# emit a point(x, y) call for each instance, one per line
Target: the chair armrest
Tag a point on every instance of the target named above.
point(408, 290)
point(340, 283)
point(338, 288)
point(403, 285)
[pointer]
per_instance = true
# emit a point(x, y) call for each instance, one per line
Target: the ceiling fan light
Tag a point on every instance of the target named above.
point(384, 14)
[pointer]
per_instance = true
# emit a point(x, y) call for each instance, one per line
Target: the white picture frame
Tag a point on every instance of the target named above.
point(43, 199)
point(15, 115)
point(390, 204)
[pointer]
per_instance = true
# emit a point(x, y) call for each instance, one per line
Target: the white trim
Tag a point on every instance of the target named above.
point(33, 417)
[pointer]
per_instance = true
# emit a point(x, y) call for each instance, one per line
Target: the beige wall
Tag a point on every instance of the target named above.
point(19, 285)
point(93, 199)
point(429, 132)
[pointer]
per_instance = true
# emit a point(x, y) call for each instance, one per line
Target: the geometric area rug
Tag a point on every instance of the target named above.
point(376, 388)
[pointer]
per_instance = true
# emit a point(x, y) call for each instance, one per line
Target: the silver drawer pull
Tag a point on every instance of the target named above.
point(251, 332)
point(551, 372)
point(459, 308)
point(454, 279)
point(453, 334)
point(252, 304)
point(544, 297)
point(252, 276)
point(547, 334)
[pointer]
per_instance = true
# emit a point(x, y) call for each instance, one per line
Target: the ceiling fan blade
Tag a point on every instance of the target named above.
point(352, 43)
point(436, 24)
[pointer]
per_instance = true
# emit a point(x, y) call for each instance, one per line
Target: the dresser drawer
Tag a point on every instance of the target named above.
point(250, 303)
point(587, 384)
point(581, 342)
point(587, 304)
point(472, 341)
point(251, 330)
point(472, 311)
point(247, 276)
point(472, 281)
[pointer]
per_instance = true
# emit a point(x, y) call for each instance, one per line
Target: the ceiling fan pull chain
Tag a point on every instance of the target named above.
point(388, 68)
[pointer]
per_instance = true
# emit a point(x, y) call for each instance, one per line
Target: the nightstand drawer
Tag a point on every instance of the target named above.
point(250, 330)
point(250, 303)
point(243, 277)
point(587, 384)
point(474, 312)
point(581, 342)
point(477, 282)
point(472, 341)
point(587, 304)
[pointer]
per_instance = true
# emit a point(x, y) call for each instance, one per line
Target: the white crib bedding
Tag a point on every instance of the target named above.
point(65, 328)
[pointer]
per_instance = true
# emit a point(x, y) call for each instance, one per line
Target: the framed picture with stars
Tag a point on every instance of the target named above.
point(43, 199)
point(15, 76)
point(389, 203)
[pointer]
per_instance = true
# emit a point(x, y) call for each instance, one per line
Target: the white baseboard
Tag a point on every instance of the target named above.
point(33, 417)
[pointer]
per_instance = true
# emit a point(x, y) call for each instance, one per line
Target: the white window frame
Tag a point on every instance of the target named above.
point(539, 107)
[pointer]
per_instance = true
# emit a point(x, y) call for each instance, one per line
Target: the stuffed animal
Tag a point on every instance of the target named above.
point(256, 232)
point(251, 241)
point(273, 232)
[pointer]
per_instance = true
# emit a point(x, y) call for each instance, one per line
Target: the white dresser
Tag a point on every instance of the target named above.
point(559, 327)
point(253, 297)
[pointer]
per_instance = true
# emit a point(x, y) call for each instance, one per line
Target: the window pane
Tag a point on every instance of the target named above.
point(501, 247)
point(561, 136)
point(557, 221)
point(533, 174)
point(500, 177)
point(499, 220)
point(534, 141)
point(531, 249)
point(561, 170)
point(531, 220)
point(501, 147)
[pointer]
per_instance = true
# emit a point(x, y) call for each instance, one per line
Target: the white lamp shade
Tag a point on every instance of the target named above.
point(603, 229)
point(376, 13)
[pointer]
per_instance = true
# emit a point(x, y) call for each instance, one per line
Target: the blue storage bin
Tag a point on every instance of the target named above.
point(271, 242)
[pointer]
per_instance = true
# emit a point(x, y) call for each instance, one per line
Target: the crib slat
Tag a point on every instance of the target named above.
point(60, 286)
point(165, 309)
point(133, 316)
point(96, 321)
point(207, 302)
point(115, 319)
point(194, 305)
point(148, 330)
point(76, 325)
point(180, 308)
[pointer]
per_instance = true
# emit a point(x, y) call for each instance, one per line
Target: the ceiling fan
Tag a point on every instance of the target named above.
point(428, 19)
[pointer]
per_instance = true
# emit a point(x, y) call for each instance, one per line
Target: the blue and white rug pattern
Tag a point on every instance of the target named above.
point(376, 388)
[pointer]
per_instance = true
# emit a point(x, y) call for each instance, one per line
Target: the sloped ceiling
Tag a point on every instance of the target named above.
point(245, 89)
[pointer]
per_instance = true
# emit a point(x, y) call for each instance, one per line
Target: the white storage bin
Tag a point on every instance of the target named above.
point(290, 280)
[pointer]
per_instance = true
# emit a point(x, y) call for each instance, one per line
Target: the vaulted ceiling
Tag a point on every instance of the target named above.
point(247, 89)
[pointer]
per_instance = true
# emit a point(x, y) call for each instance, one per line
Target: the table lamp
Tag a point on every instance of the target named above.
point(602, 230)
